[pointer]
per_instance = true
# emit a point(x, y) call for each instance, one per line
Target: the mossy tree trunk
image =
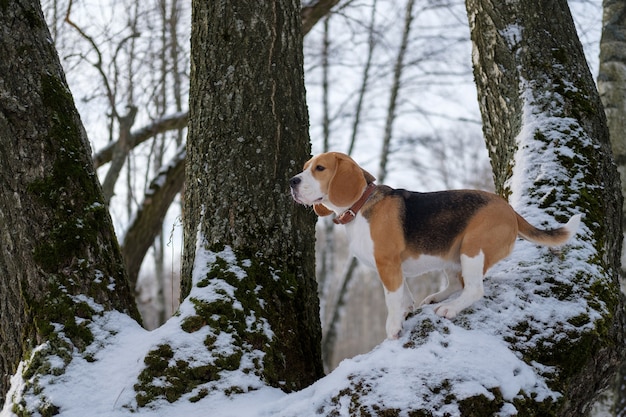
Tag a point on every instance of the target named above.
point(248, 134)
point(533, 80)
point(612, 88)
point(59, 257)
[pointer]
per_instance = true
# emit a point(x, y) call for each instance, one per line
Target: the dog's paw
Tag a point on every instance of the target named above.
point(394, 336)
point(446, 310)
point(393, 329)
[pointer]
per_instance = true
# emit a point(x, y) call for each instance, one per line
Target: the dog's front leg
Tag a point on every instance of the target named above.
point(408, 302)
point(395, 312)
point(398, 303)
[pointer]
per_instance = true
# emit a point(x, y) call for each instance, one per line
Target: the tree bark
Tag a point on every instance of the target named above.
point(56, 237)
point(612, 80)
point(247, 137)
point(612, 88)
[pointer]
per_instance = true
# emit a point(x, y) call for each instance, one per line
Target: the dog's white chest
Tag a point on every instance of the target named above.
point(360, 241)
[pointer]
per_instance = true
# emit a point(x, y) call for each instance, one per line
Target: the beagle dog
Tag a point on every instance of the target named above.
point(404, 234)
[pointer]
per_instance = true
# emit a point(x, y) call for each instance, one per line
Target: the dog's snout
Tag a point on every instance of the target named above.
point(294, 181)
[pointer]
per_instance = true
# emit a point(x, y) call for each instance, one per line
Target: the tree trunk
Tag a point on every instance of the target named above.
point(56, 236)
point(533, 83)
point(612, 80)
point(612, 88)
point(247, 137)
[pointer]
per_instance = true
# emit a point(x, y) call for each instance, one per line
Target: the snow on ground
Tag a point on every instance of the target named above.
point(104, 387)
point(469, 354)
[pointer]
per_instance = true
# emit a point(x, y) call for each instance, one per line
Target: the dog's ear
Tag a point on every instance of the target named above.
point(347, 184)
point(321, 210)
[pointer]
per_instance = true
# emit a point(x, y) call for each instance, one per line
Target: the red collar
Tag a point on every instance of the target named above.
point(349, 215)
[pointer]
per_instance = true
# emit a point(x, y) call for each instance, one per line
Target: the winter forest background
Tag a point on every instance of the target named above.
point(119, 63)
point(127, 61)
point(390, 83)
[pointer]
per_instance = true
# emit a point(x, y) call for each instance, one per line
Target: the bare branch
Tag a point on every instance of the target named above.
point(313, 13)
point(171, 122)
point(397, 74)
point(120, 152)
point(98, 64)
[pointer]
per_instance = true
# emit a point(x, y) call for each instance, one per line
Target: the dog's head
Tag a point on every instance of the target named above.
point(330, 182)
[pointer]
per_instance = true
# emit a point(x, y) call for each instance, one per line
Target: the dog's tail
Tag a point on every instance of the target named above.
point(554, 237)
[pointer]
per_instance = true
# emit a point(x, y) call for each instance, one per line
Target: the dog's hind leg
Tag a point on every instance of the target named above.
point(453, 285)
point(472, 270)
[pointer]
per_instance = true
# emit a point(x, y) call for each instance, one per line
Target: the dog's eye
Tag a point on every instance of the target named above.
point(320, 168)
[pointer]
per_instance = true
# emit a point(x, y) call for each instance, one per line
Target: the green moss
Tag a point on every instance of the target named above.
point(48, 410)
point(386, 412)
point(45, 409)
point(39, 362)
point(576, 100)
point(420, 413)
point(568, 355)
point(549, 200)
point(420, 335)
point(353, 393)
point(233, 390)
point(481, 406)
point(164, 378)
point(193, 324)
point(241, 314)
point(72, 229)
point(200, 395)
point(580, 320)
point(529, 406)
point(562, 291)
point(242, 305)
point(60, 308)
point(158, 360)
point(37, 366)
